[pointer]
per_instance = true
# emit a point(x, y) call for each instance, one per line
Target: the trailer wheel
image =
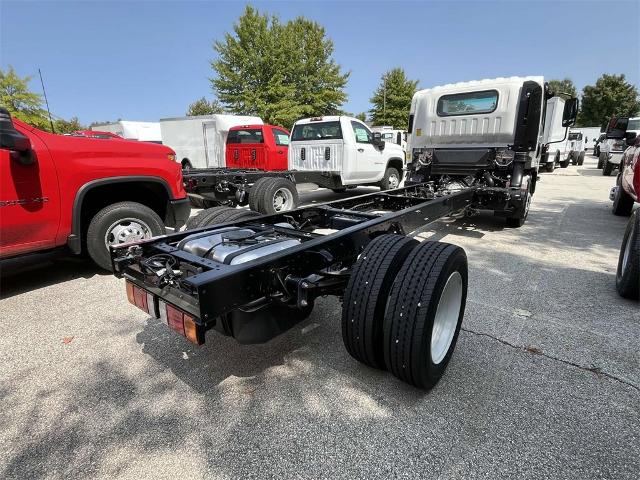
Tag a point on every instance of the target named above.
point(581, 158)
point(622, 202)
point(277, 195)
point(425, 312)
point(255, 193)
point(117, 224)
point(366, 295)
point(628, 272)
point(390, 180)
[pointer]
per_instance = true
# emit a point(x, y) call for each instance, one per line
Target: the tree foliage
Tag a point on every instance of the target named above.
point(392, 99)
point(362, 116)
point(564, 87)
point(611, 95)
point(280, 72)
point(203, 106)
point(67, 126)
point(21, 103)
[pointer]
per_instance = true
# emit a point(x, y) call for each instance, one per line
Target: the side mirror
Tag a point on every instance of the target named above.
point(570, 112)
point(11, 139)
point(617, 127)
point(630, 137)
point(377, 140)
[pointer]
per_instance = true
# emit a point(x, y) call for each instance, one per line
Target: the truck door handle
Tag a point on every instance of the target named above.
point(361, 150)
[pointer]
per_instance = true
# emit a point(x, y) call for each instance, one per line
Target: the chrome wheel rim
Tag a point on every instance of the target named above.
point(627, 250)
point(127, 230)
point(282, 200)
point(446, 319)
point(394, 181)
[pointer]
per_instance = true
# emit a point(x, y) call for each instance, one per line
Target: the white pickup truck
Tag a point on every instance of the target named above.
point(340, 152)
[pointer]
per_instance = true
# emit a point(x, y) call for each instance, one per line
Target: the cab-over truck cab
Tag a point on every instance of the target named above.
point(345, 152)
point(83, 193)
point(485, 134)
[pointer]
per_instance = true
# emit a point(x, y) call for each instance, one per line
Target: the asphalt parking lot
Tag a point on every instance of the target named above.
point(544, 383)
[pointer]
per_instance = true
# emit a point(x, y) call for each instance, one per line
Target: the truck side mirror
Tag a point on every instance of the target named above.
point(11, 139)
point(570, 112)
point(630, 137)
point(617, 127)
point(376, 139)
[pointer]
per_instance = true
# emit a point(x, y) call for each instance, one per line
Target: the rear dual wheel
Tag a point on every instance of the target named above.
point(273, 195)
point(407, 318)
point(217, 215)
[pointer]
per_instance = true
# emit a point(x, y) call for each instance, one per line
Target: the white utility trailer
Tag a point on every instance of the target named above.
point(199, 141)
point(131, 130)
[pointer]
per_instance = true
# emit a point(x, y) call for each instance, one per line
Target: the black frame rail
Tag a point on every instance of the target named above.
point(216, 288)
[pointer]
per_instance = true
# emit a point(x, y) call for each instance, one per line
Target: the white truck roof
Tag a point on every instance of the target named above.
point(132, 130)
point(494, 128)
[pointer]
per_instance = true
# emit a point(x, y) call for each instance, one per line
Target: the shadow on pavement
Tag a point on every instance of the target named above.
point(32, 272)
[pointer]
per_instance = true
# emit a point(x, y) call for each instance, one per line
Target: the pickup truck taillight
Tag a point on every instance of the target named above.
point(176, 319)
point(618, 145)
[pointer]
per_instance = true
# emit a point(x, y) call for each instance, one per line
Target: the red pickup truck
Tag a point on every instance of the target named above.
point(83, 193)
point(264, 147)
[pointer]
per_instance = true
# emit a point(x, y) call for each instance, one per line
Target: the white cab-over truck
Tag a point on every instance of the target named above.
point(559, 149)
point(334, 152)
point(392, 135)
point(486, 134)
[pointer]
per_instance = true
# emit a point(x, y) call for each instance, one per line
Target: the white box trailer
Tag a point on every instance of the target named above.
point(200, 141)
point(131, 130)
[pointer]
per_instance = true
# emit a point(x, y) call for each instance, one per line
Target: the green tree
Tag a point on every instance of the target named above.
point(564, 86)
point(203, 106)
point(280, 72)
point(392, 99)
point(362, 116)
point(67, 126)
point(611, 95)
point(23, 104)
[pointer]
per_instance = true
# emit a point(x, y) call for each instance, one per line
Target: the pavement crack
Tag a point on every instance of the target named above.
point(536, 351)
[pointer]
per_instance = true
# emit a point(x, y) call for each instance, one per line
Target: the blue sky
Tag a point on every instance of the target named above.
point(145, 60)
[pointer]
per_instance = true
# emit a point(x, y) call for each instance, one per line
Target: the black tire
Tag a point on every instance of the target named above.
point(600, 160)
point(255, 193)
point(628, 272)
point(216, 215)
point(607, 167)
point(550, 167)
point(411, 312)
point(581, 158)
point(521, 214)
point(622, 202)
point(565, 163)
point(107, 217)
point(186, 165)
point(273, 186)
point(388, 176)
point(339, 190)
point(201, 218)
point(574, 159)
point(366, 295)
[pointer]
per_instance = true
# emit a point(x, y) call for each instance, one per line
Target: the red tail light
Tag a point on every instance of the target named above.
point(141, 299)
point(181, 322)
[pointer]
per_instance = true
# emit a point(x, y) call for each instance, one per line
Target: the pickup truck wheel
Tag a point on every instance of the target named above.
point(278, 195)
point(628, 272)
point(366, 295)
point(622, 202)
point(607, 167)
point(255, 193)
point(117, 224)
point(424, 313)
point(581, 158)
point(390, 180)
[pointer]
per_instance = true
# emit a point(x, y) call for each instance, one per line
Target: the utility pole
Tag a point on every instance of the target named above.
point(384, 100)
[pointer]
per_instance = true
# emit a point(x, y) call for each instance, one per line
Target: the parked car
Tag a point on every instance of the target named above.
point(264, 147)
point(83, 193)
point(612, 149)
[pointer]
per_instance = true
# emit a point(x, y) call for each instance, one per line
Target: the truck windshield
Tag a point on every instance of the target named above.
point(634, 124)
point(316, 131)
point(246, 135)
point(467, 103)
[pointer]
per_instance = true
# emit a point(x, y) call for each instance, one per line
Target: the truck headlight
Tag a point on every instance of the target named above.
point(423, 155)
point(504, 157)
